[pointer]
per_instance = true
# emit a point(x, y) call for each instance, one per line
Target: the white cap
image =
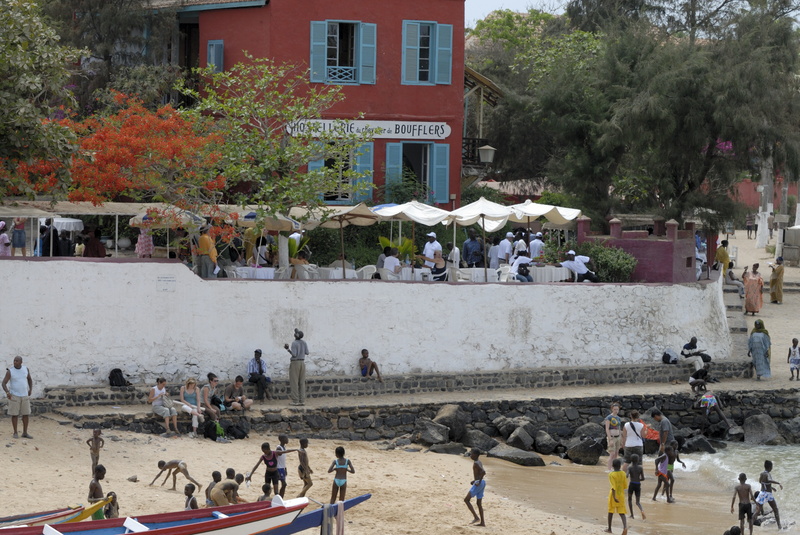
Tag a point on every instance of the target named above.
point(571, 252)
point(538, 234)
point(509, 234)
point(431, 234)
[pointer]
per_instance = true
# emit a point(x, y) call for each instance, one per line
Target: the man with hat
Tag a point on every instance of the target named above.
point(536, 246)
point(507, 249)
point(430, 247)
point(257, 371)
point(577, 264)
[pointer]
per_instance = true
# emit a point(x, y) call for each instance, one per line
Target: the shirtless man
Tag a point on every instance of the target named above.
point(368, 366)
point(96, 490)
point(745, 494)
point(174, 467)
point(95, 444)
point(766, 492)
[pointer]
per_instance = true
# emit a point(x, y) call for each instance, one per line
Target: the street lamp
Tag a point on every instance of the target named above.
point(486, 154)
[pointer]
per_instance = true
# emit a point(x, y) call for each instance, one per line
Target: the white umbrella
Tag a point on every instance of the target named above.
point(483, 212)
point(528, 210)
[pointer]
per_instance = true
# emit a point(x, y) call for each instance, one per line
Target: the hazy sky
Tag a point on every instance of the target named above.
point(475, 10)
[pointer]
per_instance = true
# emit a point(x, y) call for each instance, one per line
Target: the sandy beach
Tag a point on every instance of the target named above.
point(413, 492)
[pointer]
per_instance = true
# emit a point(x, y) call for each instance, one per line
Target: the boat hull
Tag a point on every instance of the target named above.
point(313, 519)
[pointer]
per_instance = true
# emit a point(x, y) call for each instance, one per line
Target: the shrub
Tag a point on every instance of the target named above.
point(611, 263)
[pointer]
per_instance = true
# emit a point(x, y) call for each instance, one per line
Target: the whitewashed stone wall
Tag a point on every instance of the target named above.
point(74, 320)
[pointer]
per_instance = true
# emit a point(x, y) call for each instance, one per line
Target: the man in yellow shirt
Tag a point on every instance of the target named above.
point(722, 257)
point(206, 255)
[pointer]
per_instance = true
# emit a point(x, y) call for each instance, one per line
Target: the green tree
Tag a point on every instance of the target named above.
point(126, 42)
point(265, 114)
point(33, 94)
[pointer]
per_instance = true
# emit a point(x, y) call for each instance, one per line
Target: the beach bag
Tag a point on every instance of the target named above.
point(215, 400)
point(524, 269)
point(234, 431)
point(669, 357)
point(650, 433)
point(117, 378)
point(213, 430)
point(167, 402)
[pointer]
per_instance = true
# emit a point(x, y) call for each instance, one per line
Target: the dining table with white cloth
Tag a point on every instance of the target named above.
point(550, 273)
point(261, 273)
point(417, 274)
point(336, 273)
point(480, 275)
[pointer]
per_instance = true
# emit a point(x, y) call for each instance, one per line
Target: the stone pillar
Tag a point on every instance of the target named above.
point(615, 226)
point(584, 225)
point(672, 230)
point(659, 228)
point(690, 225)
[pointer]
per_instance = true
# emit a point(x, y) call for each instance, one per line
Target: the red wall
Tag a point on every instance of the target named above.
point(746, 193)
point(280, 30)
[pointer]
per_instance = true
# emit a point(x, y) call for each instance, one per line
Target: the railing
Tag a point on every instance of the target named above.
point(469, 150)
point(341, 74)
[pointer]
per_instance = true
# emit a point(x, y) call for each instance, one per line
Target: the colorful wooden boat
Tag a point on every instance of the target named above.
point(24, 517)
point(88, 511)
point(241, 519)
point(313, 519)
point(53, 518)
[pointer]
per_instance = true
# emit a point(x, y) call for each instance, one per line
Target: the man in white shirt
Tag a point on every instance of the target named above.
point(430, 247)
point(521, 267)
point(520, 245)
point(536, 246)
point(577, 264)
point(392, 263)
point(506, 249)
point(454, 256)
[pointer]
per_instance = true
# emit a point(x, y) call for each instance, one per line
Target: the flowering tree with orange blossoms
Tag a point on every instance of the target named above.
point(163, 155)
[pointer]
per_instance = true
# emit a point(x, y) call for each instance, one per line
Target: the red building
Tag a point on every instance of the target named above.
point(401, 65)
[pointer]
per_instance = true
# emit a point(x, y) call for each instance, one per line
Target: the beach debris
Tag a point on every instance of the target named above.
point(515, 455)
point(475, 438)
point(455, 419)
point(133, 479)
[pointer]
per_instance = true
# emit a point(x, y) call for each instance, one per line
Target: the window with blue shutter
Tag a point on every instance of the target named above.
point(343, 52)
point(427, 53)
point(215, 57)
point(394, 167)
point(440, 173)
point(363, 164)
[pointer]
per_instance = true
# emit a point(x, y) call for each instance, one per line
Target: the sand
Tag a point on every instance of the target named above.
point(413, 492)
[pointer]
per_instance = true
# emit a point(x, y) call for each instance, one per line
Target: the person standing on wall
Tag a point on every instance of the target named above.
point(297, 368)
point(17, 384)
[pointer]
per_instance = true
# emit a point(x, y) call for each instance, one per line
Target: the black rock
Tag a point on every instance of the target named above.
point(587, 452)
point(590, 429)
point(478, 439)
point(456, 419)
point(761, 429)
point(451, 448)
point(428, 432)
point(697, 444)
point(520, 439)
point(544, 443)
point(516, 456)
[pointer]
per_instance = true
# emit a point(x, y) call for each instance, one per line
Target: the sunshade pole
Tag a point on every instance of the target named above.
point(167, 242)
point(116, 236)
point(341, 240)
point(483, 229)
point(413, 244)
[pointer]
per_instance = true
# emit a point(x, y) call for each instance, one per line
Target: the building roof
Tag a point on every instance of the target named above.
point(491, 93)
point(201, 5)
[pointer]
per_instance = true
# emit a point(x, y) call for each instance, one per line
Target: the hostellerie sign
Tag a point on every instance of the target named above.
point(374, 129)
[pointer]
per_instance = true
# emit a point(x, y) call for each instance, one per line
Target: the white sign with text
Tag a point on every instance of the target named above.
point(375, 129)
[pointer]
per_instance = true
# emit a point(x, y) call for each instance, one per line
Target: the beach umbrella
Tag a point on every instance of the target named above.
point(415, 211)
point(483, 212)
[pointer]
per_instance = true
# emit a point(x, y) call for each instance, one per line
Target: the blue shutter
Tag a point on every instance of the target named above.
point(444, 53)
point(440, 173)
point(316, 165)
point(317, 61)
point(367, 54)
point(410, 65)
point(215, 57)
point(363, 164)
point(394, 166)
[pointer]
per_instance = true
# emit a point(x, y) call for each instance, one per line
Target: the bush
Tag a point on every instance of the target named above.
point(611, 263)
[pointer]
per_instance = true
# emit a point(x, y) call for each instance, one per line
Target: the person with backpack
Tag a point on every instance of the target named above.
point(209, 400)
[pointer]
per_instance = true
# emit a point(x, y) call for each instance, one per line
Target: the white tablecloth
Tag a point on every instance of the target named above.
point(263, 273)
point(419, 274)
point(336, 273)
point(477, 274)
point(549, 274)
point(65, 224)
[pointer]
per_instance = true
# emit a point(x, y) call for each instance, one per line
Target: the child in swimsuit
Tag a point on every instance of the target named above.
point(270, 460)
point(341, 466)
point(661, 470)
point(673, 458)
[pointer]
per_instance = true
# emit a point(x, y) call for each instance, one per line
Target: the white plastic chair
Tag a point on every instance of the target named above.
point(388, 275)
point(502, 273)
point(460, 275)
point(366, 272)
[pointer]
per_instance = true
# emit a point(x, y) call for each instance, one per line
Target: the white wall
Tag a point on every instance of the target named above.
point(74, 320)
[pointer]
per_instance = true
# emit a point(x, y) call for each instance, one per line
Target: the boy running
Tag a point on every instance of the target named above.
point(636, 475)
point(765, 496)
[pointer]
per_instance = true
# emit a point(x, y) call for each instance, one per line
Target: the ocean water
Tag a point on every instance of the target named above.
point(721, 471)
